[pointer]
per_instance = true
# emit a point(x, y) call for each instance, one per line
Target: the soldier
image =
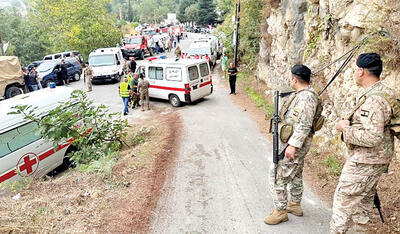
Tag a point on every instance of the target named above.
point(88, 76)
point(135, 96)
point(370, 149)
point(298, 112)
point(143, 88)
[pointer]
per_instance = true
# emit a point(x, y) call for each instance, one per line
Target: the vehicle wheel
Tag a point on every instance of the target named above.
point(77, 76)
point(117, 79)
point(48, 82)
point(13, 91)
point(174, 100)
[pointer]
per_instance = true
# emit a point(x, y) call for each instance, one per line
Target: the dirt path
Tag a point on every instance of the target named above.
point(220, 182)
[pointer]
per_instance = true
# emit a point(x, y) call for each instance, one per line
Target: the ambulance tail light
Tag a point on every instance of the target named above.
point(187, 88)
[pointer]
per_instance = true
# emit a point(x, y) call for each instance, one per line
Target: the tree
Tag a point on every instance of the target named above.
point(183, 5)
point(192, 13)
point(206, 13)
point(129, 16)
point(82, 25)
point(22, 35)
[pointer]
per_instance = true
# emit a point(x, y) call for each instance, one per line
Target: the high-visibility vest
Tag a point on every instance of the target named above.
point(123, 89)
point(130, 78)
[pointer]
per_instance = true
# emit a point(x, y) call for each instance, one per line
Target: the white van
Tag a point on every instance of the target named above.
point(185, 80)
point(64, 55)
point(107, 64)
point(23, 153)
point(203, 48)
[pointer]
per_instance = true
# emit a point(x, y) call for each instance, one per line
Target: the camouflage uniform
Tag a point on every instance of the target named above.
point(143, 88)
point(300, 113)
point(89, 77)
point(370, 149)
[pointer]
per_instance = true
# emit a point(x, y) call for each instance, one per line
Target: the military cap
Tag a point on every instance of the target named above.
point(369, 60)
point(302, 71)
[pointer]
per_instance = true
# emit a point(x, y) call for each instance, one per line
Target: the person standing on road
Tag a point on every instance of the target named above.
point(34, 79)
point(27, 82)
point(143, 88)
point(178, 52)
point(63, 72)
point(124, 92)
point(135, 95)
point(298, 112)
point(370, 147)
point(132, 65)
point(232, 72)
point(223, 64)
point(88, 76)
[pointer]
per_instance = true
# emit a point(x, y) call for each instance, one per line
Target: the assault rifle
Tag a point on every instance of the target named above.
point(275, 120)
point(377, 204)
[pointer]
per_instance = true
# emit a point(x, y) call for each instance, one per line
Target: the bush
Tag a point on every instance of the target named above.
point(96, 133)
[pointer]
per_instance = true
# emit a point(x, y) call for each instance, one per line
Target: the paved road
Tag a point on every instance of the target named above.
point(220, 182)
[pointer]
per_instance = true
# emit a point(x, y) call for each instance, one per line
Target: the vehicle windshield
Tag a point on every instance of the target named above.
point(135, 40)
point(45, 67)
point(149, 32)
point(102, 60)
point(200, 51)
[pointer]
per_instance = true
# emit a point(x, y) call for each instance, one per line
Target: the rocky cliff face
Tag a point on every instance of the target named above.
point(315, 32)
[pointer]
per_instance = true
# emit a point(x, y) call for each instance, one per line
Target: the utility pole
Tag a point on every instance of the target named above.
point(1, 46)
point(237, 20)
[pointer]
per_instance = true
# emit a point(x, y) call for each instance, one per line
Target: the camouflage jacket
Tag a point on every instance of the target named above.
point(371, 141)
point(89, 72)
point(300, 114)
point(143, 86)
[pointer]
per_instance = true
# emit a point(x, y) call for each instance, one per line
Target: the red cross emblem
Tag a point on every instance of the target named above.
point(27, 164)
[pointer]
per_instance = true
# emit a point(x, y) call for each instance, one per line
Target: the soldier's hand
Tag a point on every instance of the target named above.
point(290, 152)
point(341, 124)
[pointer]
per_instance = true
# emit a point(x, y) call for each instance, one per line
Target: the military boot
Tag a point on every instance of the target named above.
point(276, 217)
point(294, 208)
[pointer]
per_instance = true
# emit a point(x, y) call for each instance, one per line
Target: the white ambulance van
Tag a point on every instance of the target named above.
point(23, 153)
point(185, 80)
point(107, 64)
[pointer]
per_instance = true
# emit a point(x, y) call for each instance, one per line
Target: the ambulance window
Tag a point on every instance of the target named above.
point(17, 138)
point(193, 73)
point(173, 74)
point(156, 73)
point(204, 69)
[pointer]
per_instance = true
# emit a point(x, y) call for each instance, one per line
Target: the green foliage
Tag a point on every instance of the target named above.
point(16, 185)
point(95, 131)
point(102, 166)
point(183, 5)
point(206, 14)
point(82, 25)
point(22, 35)
point(332, 166)
point(260, 102)
point(315, 37)
point(249, 31)
point(225, 6)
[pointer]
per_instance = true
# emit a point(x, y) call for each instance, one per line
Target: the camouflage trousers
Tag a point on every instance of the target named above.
point(289, 179)
point(354, 196)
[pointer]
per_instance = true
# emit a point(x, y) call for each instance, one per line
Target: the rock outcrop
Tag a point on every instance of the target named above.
point(315, 32)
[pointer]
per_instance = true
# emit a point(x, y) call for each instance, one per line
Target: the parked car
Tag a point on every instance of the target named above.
point(107, 64)
point(185, 80)
point(34, 64)
point(64, 55)
point(48, 71)
point(23, 153)
point(137, 46)
point(11, 77)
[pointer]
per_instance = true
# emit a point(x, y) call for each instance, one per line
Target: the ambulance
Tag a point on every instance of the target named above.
point(181, 81)
point(23, 153)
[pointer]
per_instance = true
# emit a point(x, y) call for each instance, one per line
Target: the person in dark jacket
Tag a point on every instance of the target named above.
point(33, 79)
point(63, 73)
point(27, 82)
point(232, 72)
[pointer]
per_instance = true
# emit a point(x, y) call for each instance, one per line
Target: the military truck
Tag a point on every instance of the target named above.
point(11, 77)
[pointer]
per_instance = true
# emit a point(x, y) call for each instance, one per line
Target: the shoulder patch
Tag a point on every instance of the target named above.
point(364, 113)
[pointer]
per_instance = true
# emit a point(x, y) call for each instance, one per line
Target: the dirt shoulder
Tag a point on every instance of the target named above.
point(322, 164)
point(119, 200)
